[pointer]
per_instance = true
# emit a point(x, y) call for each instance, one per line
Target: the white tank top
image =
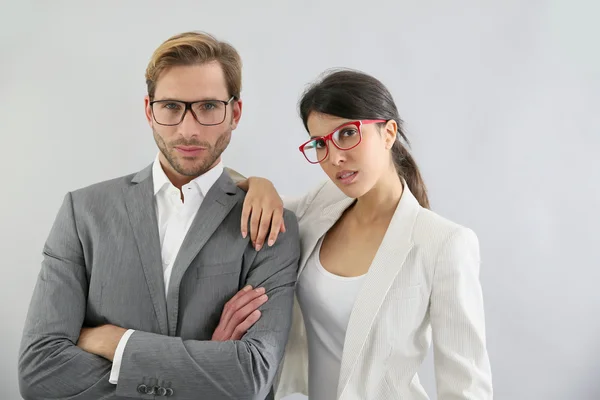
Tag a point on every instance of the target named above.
point(326, 301)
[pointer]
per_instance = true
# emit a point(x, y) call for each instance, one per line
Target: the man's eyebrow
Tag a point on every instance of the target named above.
point(191, 101)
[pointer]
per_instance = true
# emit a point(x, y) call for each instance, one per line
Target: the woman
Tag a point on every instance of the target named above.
point(381, 276)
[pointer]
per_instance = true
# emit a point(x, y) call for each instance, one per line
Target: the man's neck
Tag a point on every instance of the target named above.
point(176, 179)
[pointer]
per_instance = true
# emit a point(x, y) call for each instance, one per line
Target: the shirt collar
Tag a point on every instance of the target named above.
point(203, 182)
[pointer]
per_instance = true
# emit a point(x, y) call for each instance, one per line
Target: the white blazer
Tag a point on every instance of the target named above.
point(423, 284)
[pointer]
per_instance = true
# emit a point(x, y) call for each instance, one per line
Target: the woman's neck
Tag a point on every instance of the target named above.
point(381, 201)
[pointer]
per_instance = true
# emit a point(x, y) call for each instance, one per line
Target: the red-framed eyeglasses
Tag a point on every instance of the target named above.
point(344, 137)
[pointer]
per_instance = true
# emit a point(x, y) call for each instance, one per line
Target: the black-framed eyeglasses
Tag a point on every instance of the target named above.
point(206, 112)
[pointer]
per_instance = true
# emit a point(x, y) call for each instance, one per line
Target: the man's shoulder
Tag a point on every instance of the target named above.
point(108, 187)
point(290, 219)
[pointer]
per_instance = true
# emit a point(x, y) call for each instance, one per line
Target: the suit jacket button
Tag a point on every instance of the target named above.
point(161, 391)
point(169, 392)
point(143, 389)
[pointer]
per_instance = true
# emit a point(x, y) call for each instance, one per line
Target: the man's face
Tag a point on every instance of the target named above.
point(189, 149)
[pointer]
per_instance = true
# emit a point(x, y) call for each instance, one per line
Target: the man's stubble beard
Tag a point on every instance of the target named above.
point(202, 165)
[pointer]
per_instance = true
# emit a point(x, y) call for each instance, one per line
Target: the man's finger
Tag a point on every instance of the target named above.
point(234, 307)
point(230, 306)
point(243, 313)
point(242, 328)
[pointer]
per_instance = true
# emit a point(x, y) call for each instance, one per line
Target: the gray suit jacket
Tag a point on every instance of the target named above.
point(102, 264)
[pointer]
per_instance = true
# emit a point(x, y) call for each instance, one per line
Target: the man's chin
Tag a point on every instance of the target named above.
point(192, 172)
point(192, 168)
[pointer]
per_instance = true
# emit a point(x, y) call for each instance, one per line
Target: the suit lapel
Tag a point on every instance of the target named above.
point(139, 200)
point(218, 202)
point(388, 261)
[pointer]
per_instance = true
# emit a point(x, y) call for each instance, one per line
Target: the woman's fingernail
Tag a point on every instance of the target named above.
point(271, 242)
point(244, 234)
point(246, 288)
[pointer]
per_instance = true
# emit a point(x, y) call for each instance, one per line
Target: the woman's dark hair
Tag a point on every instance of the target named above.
point(356, 95)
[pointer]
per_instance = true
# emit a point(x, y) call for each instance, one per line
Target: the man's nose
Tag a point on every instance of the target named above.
point(189, 127)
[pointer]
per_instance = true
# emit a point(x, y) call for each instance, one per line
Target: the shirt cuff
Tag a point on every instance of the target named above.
point(116, 366)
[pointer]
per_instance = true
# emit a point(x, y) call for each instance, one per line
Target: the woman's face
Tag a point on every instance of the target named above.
point(357, 170)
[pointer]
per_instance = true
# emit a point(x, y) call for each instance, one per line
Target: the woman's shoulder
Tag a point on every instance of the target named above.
point(434, 231)
point(329, 193)
point(322, 195)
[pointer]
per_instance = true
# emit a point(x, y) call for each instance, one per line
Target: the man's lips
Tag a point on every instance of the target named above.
point(190, 150)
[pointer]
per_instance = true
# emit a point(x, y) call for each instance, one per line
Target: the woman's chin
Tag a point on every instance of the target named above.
point(353, 191)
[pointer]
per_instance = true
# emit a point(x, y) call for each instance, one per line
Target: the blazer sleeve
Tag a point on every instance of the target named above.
point(50, 365)
point(240, 369)
point(462, 367)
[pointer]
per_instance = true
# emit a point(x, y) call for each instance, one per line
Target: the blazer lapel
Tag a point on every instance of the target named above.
point(315, 229)
point(218, 202)
point(139, 200)
point(389, 259)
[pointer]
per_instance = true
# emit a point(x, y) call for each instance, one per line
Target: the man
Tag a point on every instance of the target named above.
point(137, 270)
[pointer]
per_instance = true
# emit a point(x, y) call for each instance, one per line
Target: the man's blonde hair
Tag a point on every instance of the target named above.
point(191, 48)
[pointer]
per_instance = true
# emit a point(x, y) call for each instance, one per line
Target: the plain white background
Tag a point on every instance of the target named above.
point(501, 100)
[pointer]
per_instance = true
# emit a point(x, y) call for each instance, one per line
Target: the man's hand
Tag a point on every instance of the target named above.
point(102, 340)
point(239, 314)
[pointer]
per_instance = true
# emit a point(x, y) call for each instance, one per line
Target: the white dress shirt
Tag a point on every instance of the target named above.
point(175, 211)
point(326, 301)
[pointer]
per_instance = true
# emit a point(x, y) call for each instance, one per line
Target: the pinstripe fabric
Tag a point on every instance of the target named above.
point(102, 264)
point(422, 288)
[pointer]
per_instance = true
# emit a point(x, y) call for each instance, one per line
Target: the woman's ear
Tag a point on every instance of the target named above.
point(391, 133)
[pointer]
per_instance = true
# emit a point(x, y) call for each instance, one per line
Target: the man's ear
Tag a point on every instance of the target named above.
point(236, 108)
point(148, 109)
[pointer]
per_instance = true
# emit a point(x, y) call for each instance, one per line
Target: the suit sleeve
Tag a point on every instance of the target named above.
point(462, 367)
point(242, 369)
point(51, 366)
